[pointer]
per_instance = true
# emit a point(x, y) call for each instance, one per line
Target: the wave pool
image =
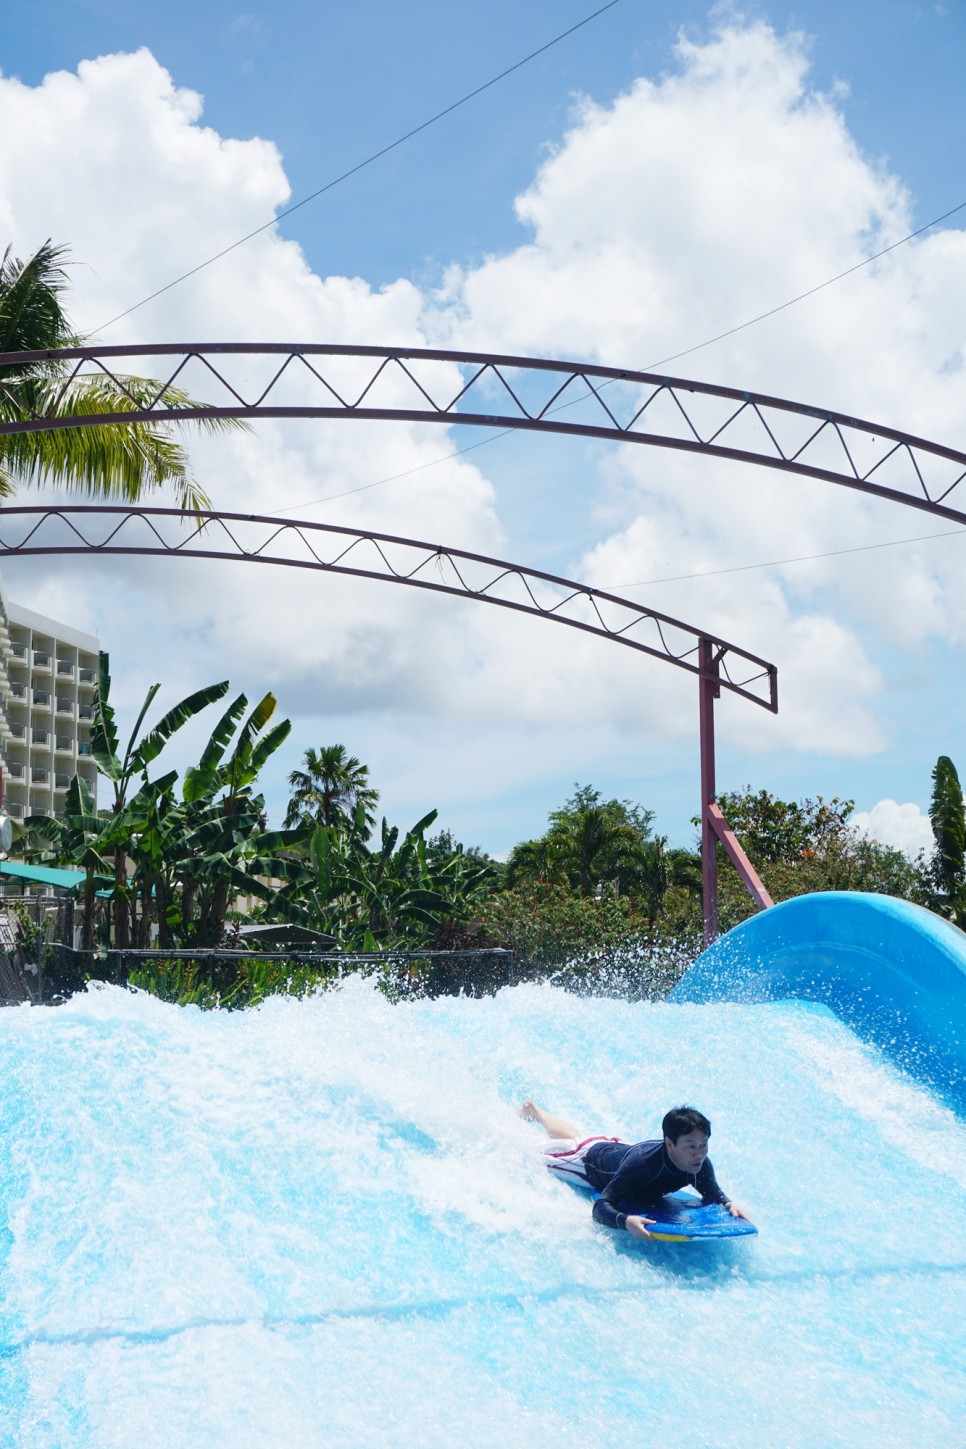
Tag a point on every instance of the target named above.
point(321, 1223)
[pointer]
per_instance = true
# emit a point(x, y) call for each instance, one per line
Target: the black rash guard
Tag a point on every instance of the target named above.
point(629, 1178)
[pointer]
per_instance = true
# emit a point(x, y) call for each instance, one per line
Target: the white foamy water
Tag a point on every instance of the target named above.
point(321, 1223)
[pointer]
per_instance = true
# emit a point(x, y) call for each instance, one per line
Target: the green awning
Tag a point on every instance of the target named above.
point(66, 880)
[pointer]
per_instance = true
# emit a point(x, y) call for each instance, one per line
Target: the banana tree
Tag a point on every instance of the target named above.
point(373, 899)
point(224, 836)
point(83, 839)
point(121, 768)
point(210, 845)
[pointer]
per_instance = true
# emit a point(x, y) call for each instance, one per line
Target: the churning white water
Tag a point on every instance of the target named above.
point(321, 1223)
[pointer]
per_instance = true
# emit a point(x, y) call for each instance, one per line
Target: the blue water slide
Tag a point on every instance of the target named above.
point(894, 972)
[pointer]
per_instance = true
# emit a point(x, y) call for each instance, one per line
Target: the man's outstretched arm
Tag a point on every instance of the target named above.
point(610, 1217)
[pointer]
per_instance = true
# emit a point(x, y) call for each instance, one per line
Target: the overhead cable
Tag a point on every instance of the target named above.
point(360, 166)
point(780, 562)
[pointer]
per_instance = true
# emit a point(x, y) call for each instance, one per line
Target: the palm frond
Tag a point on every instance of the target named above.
point(123, 461)
point(118, 461)
point(31, 315)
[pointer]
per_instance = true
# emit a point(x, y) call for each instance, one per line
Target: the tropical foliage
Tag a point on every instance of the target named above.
point(599, 896)
point(799, 847)
point(948, 865)
point(230, 981)
point(773, 830)
point(393, 894)
point(594, 845)
point(170, 862)
point(113, 462)
point(598, 902)
point(551, 929)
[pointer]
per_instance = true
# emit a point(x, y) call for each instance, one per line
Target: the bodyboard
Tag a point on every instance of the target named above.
point(680, 1217)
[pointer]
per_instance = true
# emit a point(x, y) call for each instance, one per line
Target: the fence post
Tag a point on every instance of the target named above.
point(39, 923)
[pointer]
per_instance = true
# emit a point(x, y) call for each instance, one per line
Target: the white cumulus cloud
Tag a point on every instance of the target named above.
point(903, 827)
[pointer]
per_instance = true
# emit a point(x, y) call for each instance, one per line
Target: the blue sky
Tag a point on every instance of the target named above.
point(442, 256)
point(330, 84)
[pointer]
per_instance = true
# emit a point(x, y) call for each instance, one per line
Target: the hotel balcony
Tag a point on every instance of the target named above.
point(65, 706)
point(65, 668)
point(39, 776)
point(86, 676)
point(39, 737)
point(42, 659)
point(41, 699)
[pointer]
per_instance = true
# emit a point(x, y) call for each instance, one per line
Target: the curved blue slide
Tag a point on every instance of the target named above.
point(893, 971)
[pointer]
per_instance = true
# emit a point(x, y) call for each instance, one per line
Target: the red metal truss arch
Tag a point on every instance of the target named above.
point(363, 553)
point(31, 530)
point(327, 380)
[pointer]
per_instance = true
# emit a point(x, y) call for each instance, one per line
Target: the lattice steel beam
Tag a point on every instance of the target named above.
point(295, 543)
point(320, 380)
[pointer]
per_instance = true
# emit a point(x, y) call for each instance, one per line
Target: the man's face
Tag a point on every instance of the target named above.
point(689, 1152)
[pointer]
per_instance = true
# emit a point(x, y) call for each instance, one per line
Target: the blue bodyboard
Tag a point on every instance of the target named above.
point(680, 1217)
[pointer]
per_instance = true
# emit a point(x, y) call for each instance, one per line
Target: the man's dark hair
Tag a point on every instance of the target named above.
point(682, 1120)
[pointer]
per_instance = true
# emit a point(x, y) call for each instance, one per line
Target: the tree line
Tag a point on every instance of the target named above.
point(180, 861)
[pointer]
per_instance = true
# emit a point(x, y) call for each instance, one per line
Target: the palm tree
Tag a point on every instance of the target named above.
point(535, 862)
point(591, 844)
point(330, 790)
point(107, 462)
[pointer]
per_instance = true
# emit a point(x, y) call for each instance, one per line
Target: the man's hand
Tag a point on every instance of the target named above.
point(737, 1212)
point(638, 1226)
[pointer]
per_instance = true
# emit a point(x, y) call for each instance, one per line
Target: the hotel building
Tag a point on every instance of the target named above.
point(48, 671)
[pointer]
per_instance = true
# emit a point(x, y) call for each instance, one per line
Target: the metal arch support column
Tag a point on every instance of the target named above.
point(708, 691)
point(714, 826)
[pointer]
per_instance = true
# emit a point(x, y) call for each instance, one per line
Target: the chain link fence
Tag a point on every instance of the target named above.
point(31, 926)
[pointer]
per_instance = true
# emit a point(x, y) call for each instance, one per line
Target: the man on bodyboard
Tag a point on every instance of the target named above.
point(637, 1174)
